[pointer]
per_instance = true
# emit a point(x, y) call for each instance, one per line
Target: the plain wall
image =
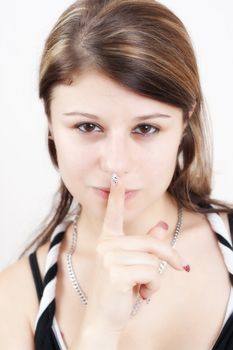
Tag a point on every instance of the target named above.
point(28, 179)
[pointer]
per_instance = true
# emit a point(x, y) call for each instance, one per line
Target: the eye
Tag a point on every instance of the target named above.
point(87, 127)
point(146, 127)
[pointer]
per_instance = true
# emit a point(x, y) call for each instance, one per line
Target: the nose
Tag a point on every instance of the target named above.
point(116, 155)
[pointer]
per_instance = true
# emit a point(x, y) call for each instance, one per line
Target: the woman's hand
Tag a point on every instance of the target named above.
point(125, 265)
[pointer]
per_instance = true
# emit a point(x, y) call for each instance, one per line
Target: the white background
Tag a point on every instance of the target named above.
point(27, 178)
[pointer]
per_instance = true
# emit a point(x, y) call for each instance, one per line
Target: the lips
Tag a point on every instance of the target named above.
point(104, 193)
point(105, 189)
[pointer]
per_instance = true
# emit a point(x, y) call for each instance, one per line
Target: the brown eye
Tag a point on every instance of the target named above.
point(147, 129)
point(86, 127)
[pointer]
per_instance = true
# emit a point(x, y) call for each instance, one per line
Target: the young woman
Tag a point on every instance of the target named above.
point(144, 258)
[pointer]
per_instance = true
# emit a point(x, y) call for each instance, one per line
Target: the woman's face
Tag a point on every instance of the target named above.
point(99, 128)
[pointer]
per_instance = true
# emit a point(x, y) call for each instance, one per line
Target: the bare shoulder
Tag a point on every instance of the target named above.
point(17, 284)
point(198, 220)
point(198, 236)
point(19, 303)
point(197, 231)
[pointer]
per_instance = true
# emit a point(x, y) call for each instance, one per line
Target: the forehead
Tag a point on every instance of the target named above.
point(97, 93)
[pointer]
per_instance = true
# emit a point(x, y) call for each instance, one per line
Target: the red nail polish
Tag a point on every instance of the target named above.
point(163, 224)
point(186, 268)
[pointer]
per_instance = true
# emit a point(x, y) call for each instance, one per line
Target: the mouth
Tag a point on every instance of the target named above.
point(104, 193)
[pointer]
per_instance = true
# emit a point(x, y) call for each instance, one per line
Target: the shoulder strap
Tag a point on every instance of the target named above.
point(36, 274)
point(44, 333)
point(224, 241)
point(230, 220)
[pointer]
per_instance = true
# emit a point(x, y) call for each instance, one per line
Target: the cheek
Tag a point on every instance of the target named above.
point(159, 164)
point(74, 162)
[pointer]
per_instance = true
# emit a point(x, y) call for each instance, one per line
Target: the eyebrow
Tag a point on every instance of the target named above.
point(92, 116)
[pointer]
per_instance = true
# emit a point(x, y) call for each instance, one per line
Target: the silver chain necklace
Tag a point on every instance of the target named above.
point(72, 275)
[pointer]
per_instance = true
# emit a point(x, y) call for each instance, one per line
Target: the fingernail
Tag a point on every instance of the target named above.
point(114, 179)
point(186, 268)
point(163, 224)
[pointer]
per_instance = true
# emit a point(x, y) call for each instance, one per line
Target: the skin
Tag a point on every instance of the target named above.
point(115, 145)
point(129, 236)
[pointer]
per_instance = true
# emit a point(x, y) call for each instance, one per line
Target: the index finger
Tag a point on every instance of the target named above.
point(114, 214)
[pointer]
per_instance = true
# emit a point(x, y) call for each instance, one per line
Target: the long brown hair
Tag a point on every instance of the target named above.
point(142, 45)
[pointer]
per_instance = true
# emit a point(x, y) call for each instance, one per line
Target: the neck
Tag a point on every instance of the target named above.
point(89, 227)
